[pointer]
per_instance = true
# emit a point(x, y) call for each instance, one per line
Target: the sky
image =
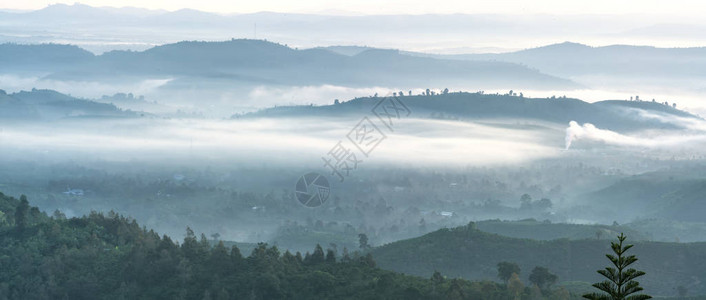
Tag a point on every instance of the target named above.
point(676, 8)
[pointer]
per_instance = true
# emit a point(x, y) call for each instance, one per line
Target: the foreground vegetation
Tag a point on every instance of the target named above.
point(111, 257)
point(470, 253)
point(620, 280)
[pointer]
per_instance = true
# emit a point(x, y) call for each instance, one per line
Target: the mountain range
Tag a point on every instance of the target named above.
point(108, 28)
point(262, 62)
point(583, 63)
point(573, 60)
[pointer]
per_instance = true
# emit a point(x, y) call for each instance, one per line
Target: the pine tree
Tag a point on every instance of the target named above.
point(330, 256)
point(21, 213)
point(620, 283)
point(363, 241)
point(318, 256)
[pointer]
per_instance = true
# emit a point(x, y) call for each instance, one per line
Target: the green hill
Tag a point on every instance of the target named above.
point(645, 229)
point(472, 254)
point(536, 230)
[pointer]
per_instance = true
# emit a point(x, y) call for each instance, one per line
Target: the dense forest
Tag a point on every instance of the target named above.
point(111, 257)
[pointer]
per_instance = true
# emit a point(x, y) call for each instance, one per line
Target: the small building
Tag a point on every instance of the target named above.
point(446, 214)
point(74, 192)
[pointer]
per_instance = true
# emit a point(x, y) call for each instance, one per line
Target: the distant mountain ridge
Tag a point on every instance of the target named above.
point(573, 59)
point(265, 62)
point(27, 58)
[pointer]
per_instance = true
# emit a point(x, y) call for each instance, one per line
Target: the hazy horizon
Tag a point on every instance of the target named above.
point(369, 7)
point(480, 150)
point(493, 29)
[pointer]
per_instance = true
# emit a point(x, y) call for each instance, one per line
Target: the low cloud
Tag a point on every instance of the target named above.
point(83, 89)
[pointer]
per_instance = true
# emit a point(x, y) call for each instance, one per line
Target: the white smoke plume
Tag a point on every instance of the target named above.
point(588, 131)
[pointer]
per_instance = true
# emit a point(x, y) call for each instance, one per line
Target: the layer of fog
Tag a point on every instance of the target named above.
point(301, 142)
point(221, 100)
point(272, 153)
point(218, 100)
point(85, 88)
point(262, 155)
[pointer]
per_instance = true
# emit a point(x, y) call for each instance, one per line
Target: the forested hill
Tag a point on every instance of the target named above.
point(111, 257)
point(470, 253)
point(615, 115)
point(50, 105)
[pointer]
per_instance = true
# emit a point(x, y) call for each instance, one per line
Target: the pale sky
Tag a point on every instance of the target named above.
point(675, 8)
